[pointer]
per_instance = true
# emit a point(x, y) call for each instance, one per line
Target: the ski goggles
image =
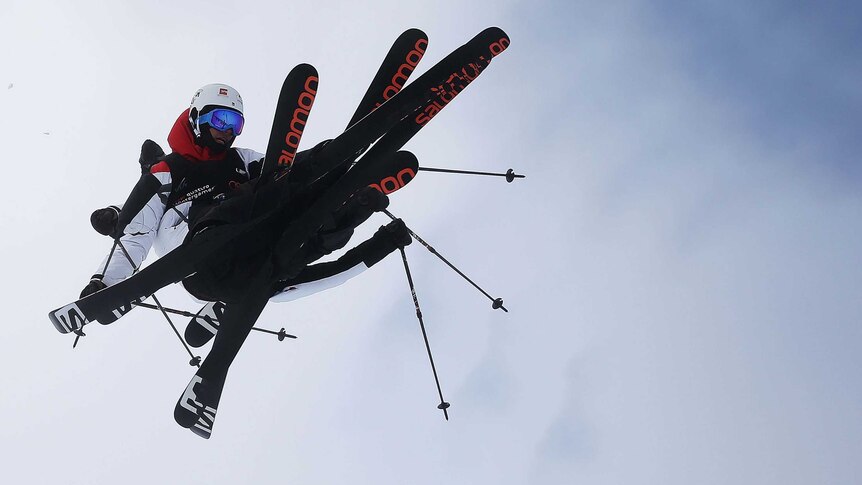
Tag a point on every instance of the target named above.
point(223, 120)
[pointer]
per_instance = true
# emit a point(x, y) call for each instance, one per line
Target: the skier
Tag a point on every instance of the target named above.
point(179, 190)
point(323, 203)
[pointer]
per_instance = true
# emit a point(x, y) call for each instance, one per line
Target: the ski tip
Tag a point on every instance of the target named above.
point(204, 325)
point(304, 68)
point(59, 325)
point(408, 158)
point(68, 318)
point(396, 172)
point(413, 33)
point(494, 32)
point(301, 75)
point(202, 432)
point(197, 335)
point(497, 40)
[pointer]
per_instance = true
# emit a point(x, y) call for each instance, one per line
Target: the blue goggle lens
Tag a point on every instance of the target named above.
point(223, 120)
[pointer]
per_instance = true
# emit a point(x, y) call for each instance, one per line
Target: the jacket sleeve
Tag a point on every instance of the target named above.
point(253, 161)
point(155, 182)
point(318, 277)
point(289, 291)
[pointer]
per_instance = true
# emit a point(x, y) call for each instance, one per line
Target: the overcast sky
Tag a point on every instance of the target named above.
point(681, 264)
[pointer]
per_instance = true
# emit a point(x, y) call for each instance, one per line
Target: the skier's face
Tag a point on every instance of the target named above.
point(224, 138)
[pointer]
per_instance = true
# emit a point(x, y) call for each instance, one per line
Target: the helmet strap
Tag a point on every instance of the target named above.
point(193, 121)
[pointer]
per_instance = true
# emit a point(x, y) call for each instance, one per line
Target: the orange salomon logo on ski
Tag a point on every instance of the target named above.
point(404, 70)
point(458, 81)
point(394, 182)
point(297, 123)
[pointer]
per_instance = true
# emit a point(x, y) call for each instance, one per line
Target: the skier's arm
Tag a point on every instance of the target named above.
point(143, 230)
point(143, 191)
point(322, 276)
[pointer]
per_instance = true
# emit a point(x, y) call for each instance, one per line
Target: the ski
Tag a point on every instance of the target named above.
point(291, 115)
point(194, 409)
point(182, 262)
point(204, 325)
point(197, 406)
point(392, 75)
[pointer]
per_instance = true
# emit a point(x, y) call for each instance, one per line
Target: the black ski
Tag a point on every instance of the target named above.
point(204, 325)
point(291, 115)
point(197, 406)
point(392, 75)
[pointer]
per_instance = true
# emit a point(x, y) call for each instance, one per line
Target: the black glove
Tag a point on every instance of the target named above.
point(151, 153)
point(387, 239)
point(104, 221)
point(395, 232)
point(93, 286)
point(359, 208)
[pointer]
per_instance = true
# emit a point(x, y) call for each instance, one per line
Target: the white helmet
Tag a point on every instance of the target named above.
point(209, 97)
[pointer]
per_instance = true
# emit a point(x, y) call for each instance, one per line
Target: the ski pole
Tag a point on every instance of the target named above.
point(110, 255)
point(443, 404)
point(496, 303)
point(167, 309)
point(80, 332)
point(510, 174)
point(281, 333)
point(195, 360)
